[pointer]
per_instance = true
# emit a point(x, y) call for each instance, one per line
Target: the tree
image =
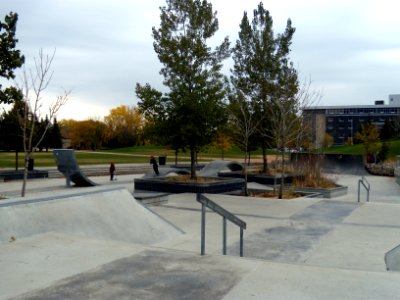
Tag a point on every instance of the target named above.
point(193, 109)
point(10, 131)
point(87, 134)
point(124, 125)
point(36, 83)
point(245, 122)
point(259, 57)
point(222, 142)
point(368, 135)
point(328, 140)
point(55, 136)
point(10, 58)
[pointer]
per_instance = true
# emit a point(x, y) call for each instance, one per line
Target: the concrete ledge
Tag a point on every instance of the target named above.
point(151, 198)
point(18, 175)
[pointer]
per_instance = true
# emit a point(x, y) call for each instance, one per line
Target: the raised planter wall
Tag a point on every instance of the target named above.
point(18, 175)
point(259, 178)
point(161, 185)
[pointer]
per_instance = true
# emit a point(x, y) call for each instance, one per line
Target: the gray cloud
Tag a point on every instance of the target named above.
point(349, 49)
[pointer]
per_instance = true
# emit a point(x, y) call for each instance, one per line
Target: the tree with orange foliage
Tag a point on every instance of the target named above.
point(123, 126)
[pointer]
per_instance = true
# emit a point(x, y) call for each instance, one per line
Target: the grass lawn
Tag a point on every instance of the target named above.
point(129, 155)
point(394, 149)
point(141, 154)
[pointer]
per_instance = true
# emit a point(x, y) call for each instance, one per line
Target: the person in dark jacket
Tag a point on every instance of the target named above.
point(112, 171)
point(153, 161)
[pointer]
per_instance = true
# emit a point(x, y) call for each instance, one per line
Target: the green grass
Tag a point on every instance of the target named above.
point(141, 154)
point(394, 149)
point(346, 149)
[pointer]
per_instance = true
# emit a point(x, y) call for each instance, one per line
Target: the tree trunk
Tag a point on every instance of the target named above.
point(16, 160)
point(282, 177)
point(246, 191)
point(265, 159)
point(193, 164)
point(27, 157)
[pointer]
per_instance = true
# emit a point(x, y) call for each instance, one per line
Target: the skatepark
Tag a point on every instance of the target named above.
point(99, 242)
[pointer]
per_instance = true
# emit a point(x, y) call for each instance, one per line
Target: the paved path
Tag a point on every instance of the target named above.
point(294, 249)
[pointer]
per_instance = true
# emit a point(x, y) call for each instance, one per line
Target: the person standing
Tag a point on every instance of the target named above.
point(112, 171)
point(153, 161)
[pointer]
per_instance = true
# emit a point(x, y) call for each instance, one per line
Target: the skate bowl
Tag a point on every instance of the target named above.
point(105, 214)
point(68, 166)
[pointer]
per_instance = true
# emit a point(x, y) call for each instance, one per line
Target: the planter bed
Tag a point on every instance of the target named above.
point(217, 186)
point(258, 178)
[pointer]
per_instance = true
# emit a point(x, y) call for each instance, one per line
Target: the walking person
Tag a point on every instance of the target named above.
point(112, 171)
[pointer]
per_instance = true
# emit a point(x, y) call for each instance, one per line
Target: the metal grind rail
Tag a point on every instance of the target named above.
point(366, 185)
point(226, 215)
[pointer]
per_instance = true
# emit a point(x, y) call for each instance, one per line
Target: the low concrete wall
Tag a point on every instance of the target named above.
point(214, 187)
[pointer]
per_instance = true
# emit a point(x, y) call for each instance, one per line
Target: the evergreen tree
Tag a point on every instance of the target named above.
point(10, 130)
point(56, 137)
point(10, 58)
point(192, 110)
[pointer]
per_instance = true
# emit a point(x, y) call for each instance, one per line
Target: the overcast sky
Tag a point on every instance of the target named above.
point(350, 49)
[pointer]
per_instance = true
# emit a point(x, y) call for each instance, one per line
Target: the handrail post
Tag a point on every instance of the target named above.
point(205, 202)
point(241, 241)
point(203, 226)
point(364, 182)
point(224, 236)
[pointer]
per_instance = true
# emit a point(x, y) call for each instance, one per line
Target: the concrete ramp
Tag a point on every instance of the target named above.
point(68, 166)
point(107, 214)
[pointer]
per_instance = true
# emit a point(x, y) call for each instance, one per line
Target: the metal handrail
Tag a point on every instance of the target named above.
point(226, 215)
point(366, 185)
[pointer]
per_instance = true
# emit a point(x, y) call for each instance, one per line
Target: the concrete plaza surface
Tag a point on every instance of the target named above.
point(99, 243)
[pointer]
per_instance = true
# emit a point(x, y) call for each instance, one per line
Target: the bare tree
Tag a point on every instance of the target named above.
point(288, 125)
point(33, 86)
point(245, 122)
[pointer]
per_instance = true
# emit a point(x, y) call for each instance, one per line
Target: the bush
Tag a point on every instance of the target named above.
point(311, 175)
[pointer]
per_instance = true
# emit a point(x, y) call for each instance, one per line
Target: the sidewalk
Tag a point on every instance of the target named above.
point(308, 248)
